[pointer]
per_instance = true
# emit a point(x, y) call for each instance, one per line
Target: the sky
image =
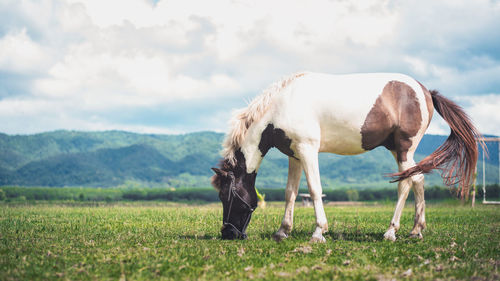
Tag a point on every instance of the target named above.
point(179, 66)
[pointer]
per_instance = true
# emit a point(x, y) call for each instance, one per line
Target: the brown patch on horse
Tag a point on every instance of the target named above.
point(393, 120)
point(275, 137)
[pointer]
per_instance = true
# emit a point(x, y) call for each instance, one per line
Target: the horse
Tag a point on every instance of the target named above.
point(307, 113)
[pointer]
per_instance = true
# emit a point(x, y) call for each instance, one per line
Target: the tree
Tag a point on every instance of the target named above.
point(352, 195)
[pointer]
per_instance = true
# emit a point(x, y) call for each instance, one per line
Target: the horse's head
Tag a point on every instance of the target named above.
point(237, 192)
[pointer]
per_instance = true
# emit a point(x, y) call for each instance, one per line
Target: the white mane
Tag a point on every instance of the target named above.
point(243, 118)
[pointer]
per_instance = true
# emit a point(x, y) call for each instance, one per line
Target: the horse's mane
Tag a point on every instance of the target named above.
point(242, 119)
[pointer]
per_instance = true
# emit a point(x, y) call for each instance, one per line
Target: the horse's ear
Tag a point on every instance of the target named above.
point(220, 172)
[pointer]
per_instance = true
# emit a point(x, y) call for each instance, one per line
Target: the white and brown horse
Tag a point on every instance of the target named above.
point(308, 113)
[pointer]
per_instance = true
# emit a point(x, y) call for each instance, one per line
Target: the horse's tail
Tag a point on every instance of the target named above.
point(457, 156)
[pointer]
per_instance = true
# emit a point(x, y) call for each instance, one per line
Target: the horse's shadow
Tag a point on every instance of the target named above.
point(305, 235)
point(357, 237)
point(333, 235)
point(199, 237)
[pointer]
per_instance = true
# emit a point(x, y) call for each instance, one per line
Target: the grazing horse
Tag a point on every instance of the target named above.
point(307, 113)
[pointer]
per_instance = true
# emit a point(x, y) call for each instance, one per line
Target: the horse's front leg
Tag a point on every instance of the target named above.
point(309, 158)
point(292, 188)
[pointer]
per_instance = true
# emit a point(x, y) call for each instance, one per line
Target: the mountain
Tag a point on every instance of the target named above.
point(113, 158)
point(68, 158)
point(16, 151)
point(101, 167)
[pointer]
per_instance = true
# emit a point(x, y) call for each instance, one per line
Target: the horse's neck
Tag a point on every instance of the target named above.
point(250, 147)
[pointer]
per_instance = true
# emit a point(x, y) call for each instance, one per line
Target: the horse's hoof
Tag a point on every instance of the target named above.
point(279, 236)
point(416, 235)
point(390, 235)
point(318, 239)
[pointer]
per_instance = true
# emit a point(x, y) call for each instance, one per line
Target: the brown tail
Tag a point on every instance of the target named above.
point(457, 156)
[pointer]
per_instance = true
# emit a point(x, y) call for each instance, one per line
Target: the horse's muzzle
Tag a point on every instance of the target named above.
point(229, 232)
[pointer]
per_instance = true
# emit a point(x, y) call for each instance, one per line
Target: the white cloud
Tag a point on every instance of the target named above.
point(438, 126)
point(20, 54)
point(107, 81)
point(484, 111)
point(116, 12)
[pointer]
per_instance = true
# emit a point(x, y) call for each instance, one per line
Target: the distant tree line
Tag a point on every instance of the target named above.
point(210, 195)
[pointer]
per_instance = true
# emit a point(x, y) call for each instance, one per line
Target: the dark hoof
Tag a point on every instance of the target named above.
point(279, 236)
point(416, 235)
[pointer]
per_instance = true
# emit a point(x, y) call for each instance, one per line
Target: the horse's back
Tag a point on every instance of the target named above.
point(350, 93)
point(334, 109)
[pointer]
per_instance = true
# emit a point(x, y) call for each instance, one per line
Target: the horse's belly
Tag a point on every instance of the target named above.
point(341, 139)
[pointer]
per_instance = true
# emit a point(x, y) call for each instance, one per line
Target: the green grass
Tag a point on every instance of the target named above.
point(170, 241)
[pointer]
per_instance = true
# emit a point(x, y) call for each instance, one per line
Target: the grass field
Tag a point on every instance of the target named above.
point(144, 241)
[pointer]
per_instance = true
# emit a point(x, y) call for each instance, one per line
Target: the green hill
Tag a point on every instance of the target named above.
point(112, 158)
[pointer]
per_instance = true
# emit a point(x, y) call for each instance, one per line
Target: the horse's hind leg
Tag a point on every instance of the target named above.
point(417, 182)
point(418, 190)
point(292, 188)
point(404, 187)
